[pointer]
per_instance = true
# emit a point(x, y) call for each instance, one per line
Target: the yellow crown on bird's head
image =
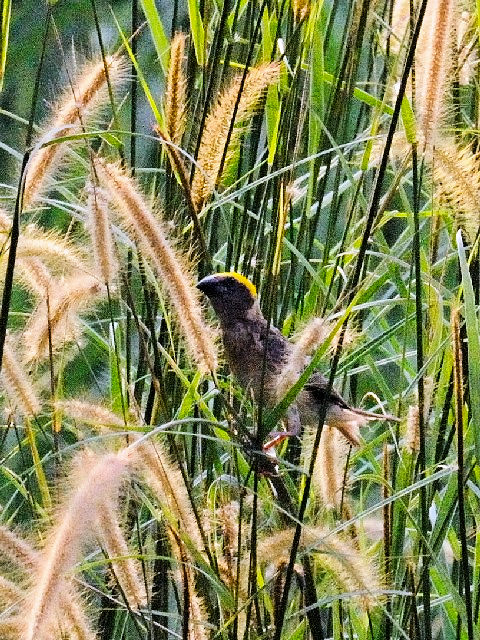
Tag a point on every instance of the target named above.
point(242, 279)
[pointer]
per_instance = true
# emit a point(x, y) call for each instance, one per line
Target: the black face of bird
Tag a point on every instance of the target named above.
point(230, 297)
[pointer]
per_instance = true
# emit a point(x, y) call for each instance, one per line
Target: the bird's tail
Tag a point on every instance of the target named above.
point(370, 415)
point(349, 420)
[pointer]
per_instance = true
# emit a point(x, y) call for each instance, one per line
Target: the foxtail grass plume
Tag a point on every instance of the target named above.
point(170, 265)
point(232, 570)
point(10, 628)
point(301, 9)
point(98, 224)
point(5, 221)
point(197, 616)
point(87, 92)
point(412, 431)
point(352, 570)
point(228, 516)
point(434, 74)
point(456, 173)
point(166, 482)
point(49, 246)
point(330, 466)
point(34, 276)
point(88, 413)
point(18, 552)
point(125, 568)
point(17, 384)
point(10, 592)
point(59, 319)
point(95, 480)
point(162, 476)
point(309, 339)
point(175, 94)
point(466, 49)
point(52, 248)
point(217, 126)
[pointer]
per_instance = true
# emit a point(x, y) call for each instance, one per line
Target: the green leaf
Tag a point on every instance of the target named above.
point(6, 15)
point(408, 120)
point(160, 40)
point(197, 31)
point(473, 336)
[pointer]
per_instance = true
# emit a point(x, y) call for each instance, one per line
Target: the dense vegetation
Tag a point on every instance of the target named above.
point(327, 151)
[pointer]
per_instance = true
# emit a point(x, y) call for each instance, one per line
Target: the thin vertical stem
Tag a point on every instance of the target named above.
point(15, 231)
point(458, 386)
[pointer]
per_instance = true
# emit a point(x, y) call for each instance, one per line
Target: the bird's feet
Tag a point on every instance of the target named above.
point(277, 437)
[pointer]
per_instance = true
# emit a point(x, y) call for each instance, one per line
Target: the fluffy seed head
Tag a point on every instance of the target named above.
point(125, 568)
point(21, 554)
point(59, 318)
point(309, 339)
point(170, 265)
point(99, 228)
point(5, 221)
point(412, 433)
point(175, 94)
point(433, 79)
point(217, 126)
point(50, 247)
point(197, 615)
point(166, 482)
point(16, 550)
point(89, 413)
point(18, 385)
point(351, 570)
point(329, 471)
point(9, 591)
point(87, 92)
point(456, 174)
point(96, 479)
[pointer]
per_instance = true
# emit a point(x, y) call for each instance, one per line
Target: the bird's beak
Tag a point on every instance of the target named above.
point(208, 284)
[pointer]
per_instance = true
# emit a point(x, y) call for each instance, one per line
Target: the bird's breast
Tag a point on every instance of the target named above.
point(245, 347)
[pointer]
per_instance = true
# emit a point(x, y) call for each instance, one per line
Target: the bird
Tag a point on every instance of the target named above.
point(257, 352)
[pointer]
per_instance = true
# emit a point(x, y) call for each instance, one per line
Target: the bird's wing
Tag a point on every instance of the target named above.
point(318, 385)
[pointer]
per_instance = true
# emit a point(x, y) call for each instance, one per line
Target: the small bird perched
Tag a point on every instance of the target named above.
point(244, 328)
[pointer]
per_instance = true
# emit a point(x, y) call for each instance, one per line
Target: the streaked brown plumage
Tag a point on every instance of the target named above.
point(245, 339)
